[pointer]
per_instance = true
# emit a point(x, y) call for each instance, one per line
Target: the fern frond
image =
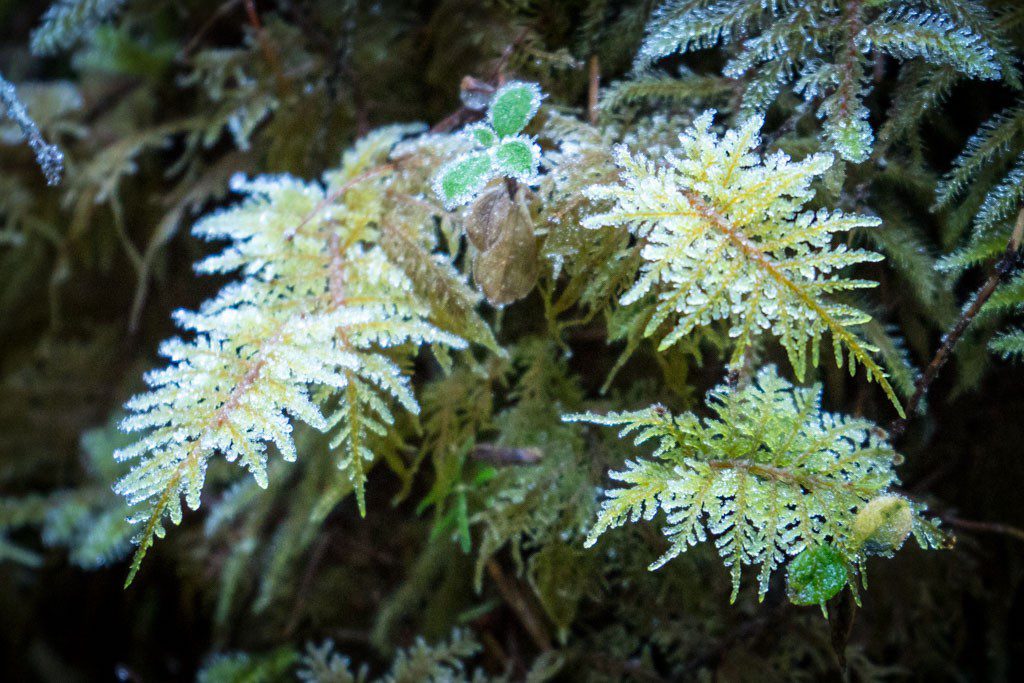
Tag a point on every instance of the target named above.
point(310, 324)
point(768, 476)
point(725, 239)
point(823, 50)
point(49, 157)
point(1008, 344)
point(653, 88)
point(442, 662)
point(67, 21)
point(1003, 200)
point(995, 138)
point(907, 33)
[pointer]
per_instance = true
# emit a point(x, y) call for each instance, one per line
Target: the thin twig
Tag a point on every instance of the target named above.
point(1003, 268)
point(193, 43)
point(266, 46)
point(594, 89)
point(987, 527)
point(514, 598)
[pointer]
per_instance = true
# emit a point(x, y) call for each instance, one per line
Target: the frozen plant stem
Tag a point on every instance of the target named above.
point(1002, 269)
point(49, 157)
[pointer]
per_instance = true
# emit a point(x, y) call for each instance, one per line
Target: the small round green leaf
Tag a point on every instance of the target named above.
point(517, 157)
point(513, 106)
point(482, 134)
point(460, 180)
point(816, 575)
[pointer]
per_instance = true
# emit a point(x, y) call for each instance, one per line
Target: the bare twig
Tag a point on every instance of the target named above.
point(594, 89)
point(506, 455)
point(987, 527)
point(1003, 268)
point(513, 596)
point(210, 22)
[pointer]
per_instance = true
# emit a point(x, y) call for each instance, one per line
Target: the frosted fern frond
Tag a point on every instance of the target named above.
point(767, 476)
point(987, 183)
point(439, 663)
point(49, 157)
point(67, 21)
point(317, 324)
point(725, 238)
point(997, 137)
point(822, 49)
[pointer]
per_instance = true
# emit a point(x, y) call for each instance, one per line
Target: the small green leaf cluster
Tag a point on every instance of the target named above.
point(502, 149)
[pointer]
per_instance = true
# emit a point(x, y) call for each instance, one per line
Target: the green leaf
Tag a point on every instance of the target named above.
point(816, 575)
point(482, 134)
point(513, 106)
point(517, 158)
point(460, 180)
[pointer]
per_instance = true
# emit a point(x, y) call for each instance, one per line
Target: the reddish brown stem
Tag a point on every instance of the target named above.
point(513, 595)
point(987, 527)
point(268, 49)
point(594, 89)
point(1003, 268)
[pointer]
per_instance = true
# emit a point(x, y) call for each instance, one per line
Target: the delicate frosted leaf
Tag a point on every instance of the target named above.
point(518, 158)
point(882, 525)
point(482, 134)
point(461, 179)
point(815, 576)
point(513, 106)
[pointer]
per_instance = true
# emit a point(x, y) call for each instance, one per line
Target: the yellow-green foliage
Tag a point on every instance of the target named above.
point(310, 326)
point(725, 237)
point(769, 475)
